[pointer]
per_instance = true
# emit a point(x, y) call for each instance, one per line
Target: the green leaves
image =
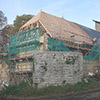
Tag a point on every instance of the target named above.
point(3, 19)
point(21, 20)
point(71, 59)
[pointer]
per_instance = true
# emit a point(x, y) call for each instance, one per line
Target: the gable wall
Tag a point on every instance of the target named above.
point(97, 26)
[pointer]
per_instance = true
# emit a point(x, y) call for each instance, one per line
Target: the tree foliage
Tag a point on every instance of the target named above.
point(20, 20)
point(3, 20)
point(14, 28)
point(6, 31)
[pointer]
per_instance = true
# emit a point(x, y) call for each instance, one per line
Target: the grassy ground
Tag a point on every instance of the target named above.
point(24, 90)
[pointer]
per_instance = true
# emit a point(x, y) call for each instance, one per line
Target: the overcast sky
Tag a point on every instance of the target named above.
point(79, 11)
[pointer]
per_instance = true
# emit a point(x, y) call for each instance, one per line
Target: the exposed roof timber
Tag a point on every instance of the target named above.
point(3, 54)
point(45, 28)
point(52, 25)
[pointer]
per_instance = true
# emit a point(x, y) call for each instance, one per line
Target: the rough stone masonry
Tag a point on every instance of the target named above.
point(57, 68)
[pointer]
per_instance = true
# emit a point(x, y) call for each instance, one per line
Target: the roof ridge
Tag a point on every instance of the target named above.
point(54, 15)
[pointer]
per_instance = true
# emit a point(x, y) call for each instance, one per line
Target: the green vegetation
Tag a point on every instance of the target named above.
point(45, 66)
point(19, 21)
point(71, 59)
point(3, 20)
point(23, 89)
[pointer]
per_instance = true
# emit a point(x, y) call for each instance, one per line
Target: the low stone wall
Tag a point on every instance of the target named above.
point(91, 67)
point(4, 74)
point(56, 68)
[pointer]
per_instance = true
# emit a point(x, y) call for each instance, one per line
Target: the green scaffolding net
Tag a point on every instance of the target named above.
point(29, 40)
point(55, 45)
point(1, 61)
point(94, 53)
point(6, 59)
point(25, 41)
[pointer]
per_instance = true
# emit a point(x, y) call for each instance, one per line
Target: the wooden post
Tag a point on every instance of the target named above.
point(45, 47)
point(37, 30)
point(37, 25)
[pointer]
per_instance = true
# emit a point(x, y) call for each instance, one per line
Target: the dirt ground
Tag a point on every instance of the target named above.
point(90, 95)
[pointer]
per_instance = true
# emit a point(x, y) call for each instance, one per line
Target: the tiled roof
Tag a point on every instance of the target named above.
point(59, 27)
point(92, 33)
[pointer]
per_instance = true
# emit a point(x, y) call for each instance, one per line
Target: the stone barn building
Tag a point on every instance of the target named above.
point(29, 49)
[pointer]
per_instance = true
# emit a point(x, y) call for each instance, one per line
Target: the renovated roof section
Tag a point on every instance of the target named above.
point(59, 27)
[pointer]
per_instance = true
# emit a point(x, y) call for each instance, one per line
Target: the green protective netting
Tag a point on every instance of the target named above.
point(1, 61)
point(55, 45)
point(29, 40)
point(25, 41)
point(6, 49)
point(6, 59)
point(94, 53)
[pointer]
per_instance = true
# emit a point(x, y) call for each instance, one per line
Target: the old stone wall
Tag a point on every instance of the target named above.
point(91, 67)
point(4, 74)
point(56, 68)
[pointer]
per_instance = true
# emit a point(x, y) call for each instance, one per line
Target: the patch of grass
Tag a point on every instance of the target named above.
point(23, 89)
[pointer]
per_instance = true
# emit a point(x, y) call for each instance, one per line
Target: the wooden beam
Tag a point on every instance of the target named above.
point(3, 54)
